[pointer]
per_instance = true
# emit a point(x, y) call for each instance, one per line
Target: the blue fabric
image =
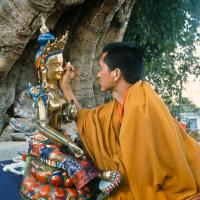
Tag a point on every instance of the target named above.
point(35, 96)
point(9, 183)
point(71, 165)
point(45, 152)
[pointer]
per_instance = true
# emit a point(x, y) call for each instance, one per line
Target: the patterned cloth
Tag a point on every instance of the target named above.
point(81, 171)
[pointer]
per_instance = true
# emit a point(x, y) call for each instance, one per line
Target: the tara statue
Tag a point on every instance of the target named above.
point(57, 166)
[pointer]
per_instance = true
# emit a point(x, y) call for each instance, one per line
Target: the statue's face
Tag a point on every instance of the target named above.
point(55, 67)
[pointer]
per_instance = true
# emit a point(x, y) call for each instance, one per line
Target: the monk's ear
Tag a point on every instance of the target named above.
point(117, 74)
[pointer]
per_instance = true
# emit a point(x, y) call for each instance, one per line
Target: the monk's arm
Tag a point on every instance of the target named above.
point(65, 85)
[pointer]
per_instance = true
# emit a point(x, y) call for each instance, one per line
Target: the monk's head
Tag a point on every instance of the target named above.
point(122, 59)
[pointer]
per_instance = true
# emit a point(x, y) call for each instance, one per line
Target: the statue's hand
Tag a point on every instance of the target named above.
point(75, 149)
point(78, 152)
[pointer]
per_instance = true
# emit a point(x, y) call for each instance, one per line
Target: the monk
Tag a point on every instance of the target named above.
point(135, 133)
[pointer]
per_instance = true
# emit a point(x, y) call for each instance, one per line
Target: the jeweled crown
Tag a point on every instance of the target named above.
point(52, 48)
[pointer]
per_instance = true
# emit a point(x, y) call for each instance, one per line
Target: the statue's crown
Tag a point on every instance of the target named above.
point(52, 48)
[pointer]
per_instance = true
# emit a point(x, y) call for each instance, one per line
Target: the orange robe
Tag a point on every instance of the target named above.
point(156, 157)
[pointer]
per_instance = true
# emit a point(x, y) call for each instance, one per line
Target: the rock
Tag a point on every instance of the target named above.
point(5, 136)
point(20, 136)
point(23, 106)
point(22, 125)
point(18, 130)
point(7, 93)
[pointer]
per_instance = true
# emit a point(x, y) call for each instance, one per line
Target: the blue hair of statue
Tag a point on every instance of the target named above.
point(42, 40)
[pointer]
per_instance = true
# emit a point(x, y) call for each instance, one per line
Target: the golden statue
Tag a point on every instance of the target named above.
point(56, 167)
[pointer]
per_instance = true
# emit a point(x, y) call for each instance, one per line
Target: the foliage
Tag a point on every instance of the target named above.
point(167, 33)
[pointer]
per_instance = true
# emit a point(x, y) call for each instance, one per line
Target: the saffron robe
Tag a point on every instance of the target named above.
point(156, 157)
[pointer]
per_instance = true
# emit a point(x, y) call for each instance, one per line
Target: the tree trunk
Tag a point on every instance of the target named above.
point(91, 24)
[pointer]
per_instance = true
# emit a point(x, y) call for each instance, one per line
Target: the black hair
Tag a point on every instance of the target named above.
point(127, 57)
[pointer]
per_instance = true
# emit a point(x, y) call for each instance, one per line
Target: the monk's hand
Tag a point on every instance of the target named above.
point(68, 76)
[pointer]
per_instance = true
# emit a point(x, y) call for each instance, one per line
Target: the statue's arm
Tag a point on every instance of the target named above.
point(53, 134)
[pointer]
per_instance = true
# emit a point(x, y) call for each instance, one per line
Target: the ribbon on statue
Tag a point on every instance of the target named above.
point(36, 92)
